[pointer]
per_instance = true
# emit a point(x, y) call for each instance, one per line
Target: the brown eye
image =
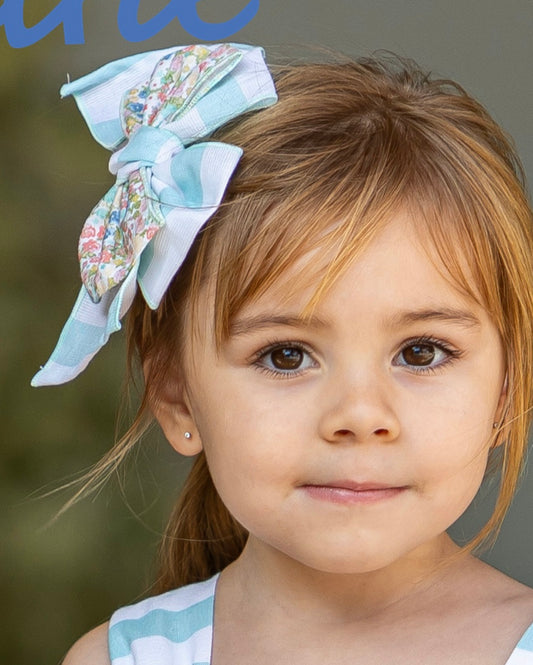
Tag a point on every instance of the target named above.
point(287, 358)
point(419, 354)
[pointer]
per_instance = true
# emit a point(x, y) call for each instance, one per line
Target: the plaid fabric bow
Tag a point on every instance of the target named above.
point(152, 109)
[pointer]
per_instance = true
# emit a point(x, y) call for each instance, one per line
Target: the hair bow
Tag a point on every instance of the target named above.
point(151, 109)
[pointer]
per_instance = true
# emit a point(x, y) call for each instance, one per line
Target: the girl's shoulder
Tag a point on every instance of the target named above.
point(510, 614)
point(524, 648)
point(91, 649)
point(175, 626)
point(523, 652)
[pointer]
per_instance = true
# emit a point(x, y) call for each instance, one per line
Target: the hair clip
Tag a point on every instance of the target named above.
point(151, 109)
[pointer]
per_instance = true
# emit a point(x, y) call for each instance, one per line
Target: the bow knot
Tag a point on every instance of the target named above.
point(147, 146)
point(126, 219)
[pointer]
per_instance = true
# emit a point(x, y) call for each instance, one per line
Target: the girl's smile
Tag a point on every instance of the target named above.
point(349, 492)
point(349, 439)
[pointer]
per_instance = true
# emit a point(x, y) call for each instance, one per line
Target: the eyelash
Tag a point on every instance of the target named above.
point(276, 346)
point(452, 355)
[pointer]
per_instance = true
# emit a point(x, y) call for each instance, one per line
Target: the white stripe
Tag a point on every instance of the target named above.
point(520, 657)
point(57, 374)
point(187, 125)
point(249, 71)
point(158, 650)
point(124, 660)
point(102, 102)
point(175, 601)
point(170, 247)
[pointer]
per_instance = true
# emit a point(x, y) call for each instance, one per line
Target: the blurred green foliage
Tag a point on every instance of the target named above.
point(59, 578)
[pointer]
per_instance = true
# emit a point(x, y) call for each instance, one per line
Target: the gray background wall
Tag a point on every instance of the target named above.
point(60, 578)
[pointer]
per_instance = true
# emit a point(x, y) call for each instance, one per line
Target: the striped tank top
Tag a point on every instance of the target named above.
point(176, 628)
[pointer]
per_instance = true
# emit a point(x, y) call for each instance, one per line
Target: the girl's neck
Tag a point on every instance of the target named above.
point(273, 580)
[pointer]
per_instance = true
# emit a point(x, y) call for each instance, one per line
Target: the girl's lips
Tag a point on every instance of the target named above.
point(349, 492)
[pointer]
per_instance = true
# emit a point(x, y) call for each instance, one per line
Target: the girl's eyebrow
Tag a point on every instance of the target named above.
point(461, 317)
point(249, 324)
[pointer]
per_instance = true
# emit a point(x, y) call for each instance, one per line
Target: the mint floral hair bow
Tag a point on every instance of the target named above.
point(151, 110)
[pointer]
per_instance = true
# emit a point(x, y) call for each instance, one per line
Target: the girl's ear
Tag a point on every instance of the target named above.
point(172, 410)
point(502, 401)
point(500, 411)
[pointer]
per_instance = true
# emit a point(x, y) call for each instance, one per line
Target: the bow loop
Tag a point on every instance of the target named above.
point(178, 81)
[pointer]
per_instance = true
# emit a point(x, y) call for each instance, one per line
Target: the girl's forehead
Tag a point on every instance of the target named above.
point(398, 263)
point(301, 272)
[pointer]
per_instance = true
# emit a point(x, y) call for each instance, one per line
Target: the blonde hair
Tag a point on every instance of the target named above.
point(347, 145)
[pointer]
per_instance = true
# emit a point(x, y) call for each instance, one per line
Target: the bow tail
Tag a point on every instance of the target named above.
point(87, 329)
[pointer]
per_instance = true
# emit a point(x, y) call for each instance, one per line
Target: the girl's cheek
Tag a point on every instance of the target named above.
point(456, 460)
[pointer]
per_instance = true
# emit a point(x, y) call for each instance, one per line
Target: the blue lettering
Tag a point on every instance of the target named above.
point(129, 26)
point(212, 32)
point(67, 12)
point(186, 12)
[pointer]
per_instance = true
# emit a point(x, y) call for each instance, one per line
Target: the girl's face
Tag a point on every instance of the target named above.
point(348, 441)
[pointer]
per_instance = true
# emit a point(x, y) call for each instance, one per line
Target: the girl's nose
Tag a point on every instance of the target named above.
point(358, 410)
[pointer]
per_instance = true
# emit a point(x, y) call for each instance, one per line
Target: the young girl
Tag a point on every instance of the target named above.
point(344, 340)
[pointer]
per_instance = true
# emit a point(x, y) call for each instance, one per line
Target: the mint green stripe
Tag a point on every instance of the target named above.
point(174, 626)
point(224, 102)
point(526, 642)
